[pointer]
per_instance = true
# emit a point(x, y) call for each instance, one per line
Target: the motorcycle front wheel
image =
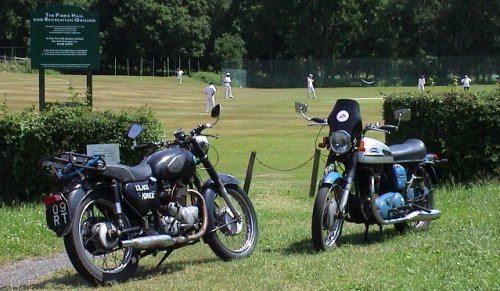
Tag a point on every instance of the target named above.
point(97, 263)
point(327, 221)
point(228, 237)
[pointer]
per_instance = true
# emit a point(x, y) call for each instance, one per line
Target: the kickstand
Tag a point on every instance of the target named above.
point(367, 226)
point(380, 229)
point(165, 256)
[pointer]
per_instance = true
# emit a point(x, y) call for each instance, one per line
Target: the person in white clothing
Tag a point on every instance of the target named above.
point(209, 92)
point(421, 83)
point(227, 86)
point(466, 82)
point(179, 75)
point(311, 93)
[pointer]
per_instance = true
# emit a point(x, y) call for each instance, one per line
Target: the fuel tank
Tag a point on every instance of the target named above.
point(172, 163)
point(376, 152)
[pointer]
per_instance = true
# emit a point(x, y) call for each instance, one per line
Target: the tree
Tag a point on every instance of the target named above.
point(153, 28)
point(263, 25)
point(229, 50)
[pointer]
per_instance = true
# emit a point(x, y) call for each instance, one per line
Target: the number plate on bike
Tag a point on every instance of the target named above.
point(57, 213)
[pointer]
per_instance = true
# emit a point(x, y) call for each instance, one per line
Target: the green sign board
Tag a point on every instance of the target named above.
point(64, 37)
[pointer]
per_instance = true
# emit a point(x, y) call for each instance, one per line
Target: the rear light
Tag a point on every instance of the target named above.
point(432, 157)
point(324, 143)
point(52, 198)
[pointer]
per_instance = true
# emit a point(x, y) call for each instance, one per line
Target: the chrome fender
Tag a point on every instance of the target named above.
point(330, 178)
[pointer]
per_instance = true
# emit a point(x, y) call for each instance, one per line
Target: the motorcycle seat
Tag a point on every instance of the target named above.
point(410, 151)
point(124, 173)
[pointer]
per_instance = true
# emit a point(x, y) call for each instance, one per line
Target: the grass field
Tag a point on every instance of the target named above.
point(459, 252)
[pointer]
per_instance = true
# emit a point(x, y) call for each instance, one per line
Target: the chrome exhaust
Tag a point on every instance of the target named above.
point(415, 216)
point(148, 242)
point(410, 217)
point(164, 240)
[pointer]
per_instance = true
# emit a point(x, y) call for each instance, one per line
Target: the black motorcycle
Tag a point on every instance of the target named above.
point(111, 215)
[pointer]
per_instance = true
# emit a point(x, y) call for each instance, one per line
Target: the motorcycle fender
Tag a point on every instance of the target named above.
point(330, 178)
point(432, 173)
point(208, 187)
point(226, 179)
point(73, 197)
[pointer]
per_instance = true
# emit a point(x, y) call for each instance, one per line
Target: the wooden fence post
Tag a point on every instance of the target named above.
point(248, 177)
point(314, 175)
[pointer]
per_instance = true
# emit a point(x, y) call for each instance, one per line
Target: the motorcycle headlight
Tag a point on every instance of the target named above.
point(340, 142)
point(203, 142)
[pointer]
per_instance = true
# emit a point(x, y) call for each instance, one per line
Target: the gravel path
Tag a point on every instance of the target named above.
point(27, 271)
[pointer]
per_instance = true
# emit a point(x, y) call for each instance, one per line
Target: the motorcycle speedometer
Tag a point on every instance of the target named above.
point(340, 142)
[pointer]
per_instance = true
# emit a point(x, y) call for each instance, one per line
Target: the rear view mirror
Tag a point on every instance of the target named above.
point(402, 114)
point(300, 107)
point(215, 111)
point(134, 130)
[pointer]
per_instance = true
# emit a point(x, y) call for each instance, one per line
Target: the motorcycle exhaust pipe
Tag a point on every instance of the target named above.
point(413, 216)
point(164, 240)
point(423, 215)
point(148, 242)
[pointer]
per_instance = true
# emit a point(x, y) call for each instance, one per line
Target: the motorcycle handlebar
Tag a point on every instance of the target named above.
point(180, 137)
point(200, 128)
point(150, 144)
point(387, 128)
point(318, 120)
point(139, 146)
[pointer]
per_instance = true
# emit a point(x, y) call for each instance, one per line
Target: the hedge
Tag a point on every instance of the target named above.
point(462, 127)
point(28, 136)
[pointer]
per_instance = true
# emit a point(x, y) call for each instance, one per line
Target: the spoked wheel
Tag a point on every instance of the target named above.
point(228, 237)
point(424, 197)
point(326, 225)
point(92, 252)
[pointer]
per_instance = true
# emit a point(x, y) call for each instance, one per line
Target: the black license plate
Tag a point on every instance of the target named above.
point(57, 214)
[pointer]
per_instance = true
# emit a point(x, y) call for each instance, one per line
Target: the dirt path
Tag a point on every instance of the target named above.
point(26, 272)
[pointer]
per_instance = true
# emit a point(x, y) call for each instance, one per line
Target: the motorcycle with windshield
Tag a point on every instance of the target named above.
point(111, 215)
point(368, 182)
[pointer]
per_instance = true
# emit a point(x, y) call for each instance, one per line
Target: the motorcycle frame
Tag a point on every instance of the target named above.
point(349, 176)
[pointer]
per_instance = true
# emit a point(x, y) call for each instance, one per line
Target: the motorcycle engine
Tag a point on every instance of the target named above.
point(387, 204)
point(179, 218)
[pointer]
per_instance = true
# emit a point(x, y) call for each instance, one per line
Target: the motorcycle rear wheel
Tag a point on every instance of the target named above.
point(97, 264)
point(230, 239)
point(427, 203)
point(327, 221)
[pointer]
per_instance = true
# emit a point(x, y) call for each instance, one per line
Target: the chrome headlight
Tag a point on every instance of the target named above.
point(203, 142)
point(340, 142)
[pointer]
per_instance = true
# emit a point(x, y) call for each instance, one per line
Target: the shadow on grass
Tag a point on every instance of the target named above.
point(72, 280)
point(306, 246)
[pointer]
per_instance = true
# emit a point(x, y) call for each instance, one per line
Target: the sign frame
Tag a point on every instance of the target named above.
point(64, 37)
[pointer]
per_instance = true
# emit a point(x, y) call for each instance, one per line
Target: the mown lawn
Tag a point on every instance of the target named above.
point(459, 252)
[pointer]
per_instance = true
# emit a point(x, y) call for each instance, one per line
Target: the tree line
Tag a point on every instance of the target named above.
point(225, 32)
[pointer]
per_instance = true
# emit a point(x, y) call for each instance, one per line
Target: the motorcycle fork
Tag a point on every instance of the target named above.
point(219, 186)
point(346, 189)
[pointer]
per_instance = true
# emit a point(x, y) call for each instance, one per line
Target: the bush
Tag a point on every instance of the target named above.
point(462, 127)
point(207, 77)
point(28, 136)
